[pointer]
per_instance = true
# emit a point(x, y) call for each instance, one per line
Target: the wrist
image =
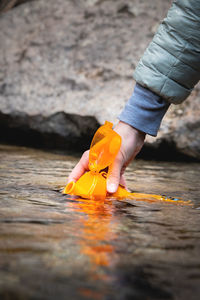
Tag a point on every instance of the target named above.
point(132, 138)
point(125, 129)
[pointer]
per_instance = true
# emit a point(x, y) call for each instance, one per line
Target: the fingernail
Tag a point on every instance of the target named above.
point(112, 188)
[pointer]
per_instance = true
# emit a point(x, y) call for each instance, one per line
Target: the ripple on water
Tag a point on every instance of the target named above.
point(52, 245)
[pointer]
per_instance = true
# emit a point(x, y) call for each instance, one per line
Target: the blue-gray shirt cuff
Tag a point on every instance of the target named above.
point(144, 110)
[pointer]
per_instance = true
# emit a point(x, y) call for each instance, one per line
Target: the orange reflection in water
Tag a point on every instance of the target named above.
point(96, 231)
point(97, 234)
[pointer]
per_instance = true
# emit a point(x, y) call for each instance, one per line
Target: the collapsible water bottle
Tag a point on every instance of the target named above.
point(103, 150)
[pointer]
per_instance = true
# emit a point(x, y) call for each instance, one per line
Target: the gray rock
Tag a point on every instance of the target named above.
point(5, 5)
point(59, 130)
point(181, 128)
point(75, 59)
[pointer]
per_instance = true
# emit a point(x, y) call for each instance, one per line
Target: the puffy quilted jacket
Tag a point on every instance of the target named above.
point(170, 66)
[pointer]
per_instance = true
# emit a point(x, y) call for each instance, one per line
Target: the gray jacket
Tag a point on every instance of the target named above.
point(170, 66)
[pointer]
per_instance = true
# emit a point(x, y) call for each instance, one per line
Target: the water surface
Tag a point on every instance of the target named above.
point(56, 247)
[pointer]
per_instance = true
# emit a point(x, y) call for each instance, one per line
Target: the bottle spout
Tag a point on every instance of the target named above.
point(69, 188)
point(89, 185)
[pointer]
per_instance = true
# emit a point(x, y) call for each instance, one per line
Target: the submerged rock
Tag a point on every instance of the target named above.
point(71, 62)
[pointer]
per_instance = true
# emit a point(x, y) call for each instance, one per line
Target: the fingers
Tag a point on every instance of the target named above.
point(114, 175)
point(80, 168)
point(123, 181)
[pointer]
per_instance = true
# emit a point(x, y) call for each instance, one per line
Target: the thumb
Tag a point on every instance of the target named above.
point(114, 174)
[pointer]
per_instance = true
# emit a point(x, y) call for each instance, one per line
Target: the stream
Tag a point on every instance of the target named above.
point(53, 246)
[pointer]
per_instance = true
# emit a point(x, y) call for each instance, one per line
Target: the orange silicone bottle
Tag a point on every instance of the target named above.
point(104, 147)
point(103, 150)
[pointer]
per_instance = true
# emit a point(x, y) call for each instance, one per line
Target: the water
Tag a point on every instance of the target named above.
point(55, 247)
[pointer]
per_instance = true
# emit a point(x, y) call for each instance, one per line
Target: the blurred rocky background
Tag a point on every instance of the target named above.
point(66, 66)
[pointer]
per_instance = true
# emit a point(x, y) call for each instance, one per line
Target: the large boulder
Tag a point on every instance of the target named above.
point(5, 5)
point(65, 58)
point(180, 130)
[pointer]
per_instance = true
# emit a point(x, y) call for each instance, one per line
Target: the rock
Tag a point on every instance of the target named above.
point(60, 130)
point(180, 128)
point(74, 59)
point(5, 5)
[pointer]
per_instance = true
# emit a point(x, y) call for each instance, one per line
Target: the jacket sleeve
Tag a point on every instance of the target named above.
point(144, 110)
point(170, 66)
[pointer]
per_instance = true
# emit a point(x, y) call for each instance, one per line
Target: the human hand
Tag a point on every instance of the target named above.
point(132, 142)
